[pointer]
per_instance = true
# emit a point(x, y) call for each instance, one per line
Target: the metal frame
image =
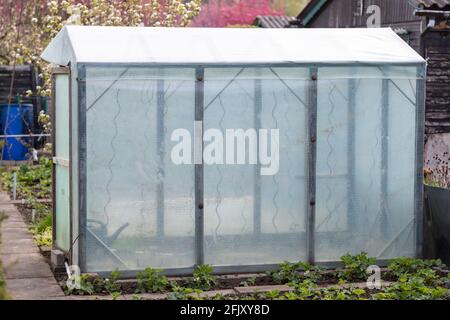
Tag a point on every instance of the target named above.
point(61, 71)
point(257, 177)
point(312, 88)
point(82, 169)
point(420, 144)
point(199, 172)
point(311, 164)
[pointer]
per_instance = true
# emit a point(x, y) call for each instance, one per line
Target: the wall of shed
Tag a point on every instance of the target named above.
point(394, 13)
point(436, 49)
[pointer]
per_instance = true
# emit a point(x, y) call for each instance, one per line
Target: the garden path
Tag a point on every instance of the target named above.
point(27, 274)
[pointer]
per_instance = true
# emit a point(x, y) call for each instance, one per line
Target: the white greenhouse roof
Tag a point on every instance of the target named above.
point(79, 44)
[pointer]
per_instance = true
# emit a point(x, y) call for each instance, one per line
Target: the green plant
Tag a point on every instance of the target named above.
point(115, 295)
point(109, 285)
point(32, 181)
point(202, 279)
point(296, 272)
point(272, 295)
point(412, 288)
point(182, 293)
point(403, 265)
point(355, 266)
point(287, 272)
point(85, 287)
point(42, 231)
point(44, 238)
point(248, 282)
point(151, 280)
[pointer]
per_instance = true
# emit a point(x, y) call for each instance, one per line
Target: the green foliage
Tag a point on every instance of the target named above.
point(86, 286)
point(109, 285)
point(151, 280)
point(296, 272)
point(32, 181)
point(402, 266)
point(248, 282)
point(272, 295)
point(355, 267)
point(182, 293)
point(287, 272)
point(412, 288)
point(203, 279)
point(116, 295)
point(44, 238)
point(43, 230)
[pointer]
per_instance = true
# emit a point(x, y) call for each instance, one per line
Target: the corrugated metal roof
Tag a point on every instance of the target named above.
point(431, 3)
point(273, 21)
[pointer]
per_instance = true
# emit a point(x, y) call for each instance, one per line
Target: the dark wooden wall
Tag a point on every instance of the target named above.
point(24, 79)
point(394, 13)
point(436, 49)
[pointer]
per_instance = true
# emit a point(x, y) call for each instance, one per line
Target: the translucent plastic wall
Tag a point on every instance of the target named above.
point(343, 165)
point(62, 156)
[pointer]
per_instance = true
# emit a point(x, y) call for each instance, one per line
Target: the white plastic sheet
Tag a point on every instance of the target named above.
point(80, 44)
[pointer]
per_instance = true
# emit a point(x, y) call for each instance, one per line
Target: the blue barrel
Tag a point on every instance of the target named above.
point(16, 120)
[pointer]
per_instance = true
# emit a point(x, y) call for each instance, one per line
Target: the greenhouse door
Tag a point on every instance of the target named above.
point(61, 156)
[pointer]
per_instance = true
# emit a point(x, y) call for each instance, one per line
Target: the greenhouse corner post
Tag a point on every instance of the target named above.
point(82, 169)
point(312, 153)
point(420, 132)
point(199, 186)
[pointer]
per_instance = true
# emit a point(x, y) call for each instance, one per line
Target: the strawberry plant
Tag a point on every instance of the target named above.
point(403, 265)
point(151, 280)
point(355, 267)
point(203, 279)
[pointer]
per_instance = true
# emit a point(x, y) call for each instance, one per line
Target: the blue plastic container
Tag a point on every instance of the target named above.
point(16, 120)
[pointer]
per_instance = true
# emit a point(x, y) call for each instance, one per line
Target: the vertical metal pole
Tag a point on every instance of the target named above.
point(420, 131)
point(160, 102)
point(384, 155)
point(312, 153)
point(351, 154)
point(82, 168)
point(199, 186)
point(257, 178)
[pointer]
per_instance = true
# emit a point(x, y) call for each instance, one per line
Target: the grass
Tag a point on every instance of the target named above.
point(3, 294)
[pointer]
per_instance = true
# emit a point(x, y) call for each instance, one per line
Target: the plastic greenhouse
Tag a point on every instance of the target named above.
point(330, 161)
